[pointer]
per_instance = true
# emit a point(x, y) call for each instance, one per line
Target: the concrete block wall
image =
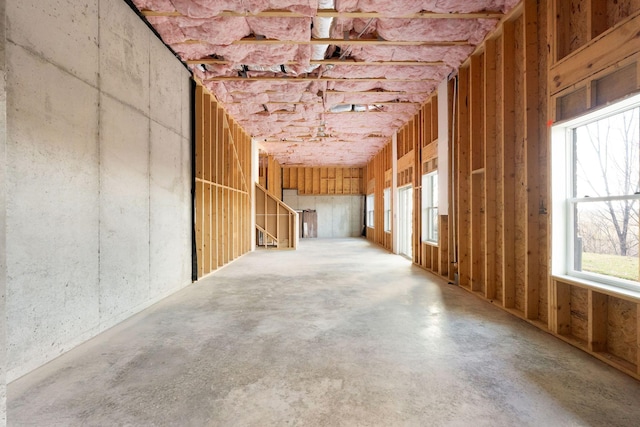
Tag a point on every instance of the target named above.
point(98, 174)
point(338, 216)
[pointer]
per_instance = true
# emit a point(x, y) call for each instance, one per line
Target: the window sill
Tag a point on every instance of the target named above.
point(616, 291)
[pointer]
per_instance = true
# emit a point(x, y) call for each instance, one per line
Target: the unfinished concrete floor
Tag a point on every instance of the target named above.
point(338, 333)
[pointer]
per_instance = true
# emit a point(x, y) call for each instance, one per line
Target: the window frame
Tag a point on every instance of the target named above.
point(429, 192)
point(386, 194)
point(563, 172)
point(370, 203)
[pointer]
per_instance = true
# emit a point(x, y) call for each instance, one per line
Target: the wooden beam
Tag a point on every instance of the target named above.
point(314, 79)
point(476, 160)
point(212, 61)
point(598, 319)
point(508, 165)
point(490, 166)
point(332, 13)
point(531, 107)
point(463, 192)
point(338, 42)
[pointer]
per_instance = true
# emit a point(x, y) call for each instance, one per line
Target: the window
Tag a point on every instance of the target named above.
point(430, 207)
point(387, 209)
point(596, 208)
point(370, 211)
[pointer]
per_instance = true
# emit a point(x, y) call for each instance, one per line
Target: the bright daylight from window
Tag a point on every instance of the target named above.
point(604, 206)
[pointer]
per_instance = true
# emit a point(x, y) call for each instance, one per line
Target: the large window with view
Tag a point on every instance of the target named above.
point(430, 207)
point(600, 199)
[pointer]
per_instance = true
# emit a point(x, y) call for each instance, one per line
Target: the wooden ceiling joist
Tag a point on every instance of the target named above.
point(358, 42)
point(315, 79)
point(211, 61)
point(332, 13)
point(338, 42)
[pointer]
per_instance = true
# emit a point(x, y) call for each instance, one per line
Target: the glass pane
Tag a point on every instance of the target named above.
point(606, 238)
point(606, 156)
point(434, 190)
point(433, 218)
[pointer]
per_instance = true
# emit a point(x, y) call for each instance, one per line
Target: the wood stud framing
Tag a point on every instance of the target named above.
point(501, 170)
point(501, 165)
point(594, 60)
point(323, 180)
point(222, 192)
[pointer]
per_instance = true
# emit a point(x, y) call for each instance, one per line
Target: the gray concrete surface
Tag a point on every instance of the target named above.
point(3, 216)
point(338, 216)
point(337, 333)
point(98, 174)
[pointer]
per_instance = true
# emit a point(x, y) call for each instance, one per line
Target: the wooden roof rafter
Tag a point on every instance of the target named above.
point(332, 13)
point(252, 40)
point(321, 79)
point(212, 61)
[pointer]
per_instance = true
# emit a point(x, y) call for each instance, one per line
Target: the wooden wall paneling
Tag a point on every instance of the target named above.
point(579, 314)
point(561, 307)
point(617, 11)
point(476, 122)
point(199, 190)
point(346, 180)
point(464, 180)
point(544, 167)
point(520, 184)
point(605, 51)
point(215, 236)
point(619, 332)
point(443, 245)
point(597, 322)
point(217, 176)
point(508, 164)
point(490, 167)
point(531, 106)
point(286, 177)
point(638, 339)
point(206, 231)
point(451, 222)
point(199, 225)
point(221, 214)
point(597, 19)
point(418, 256)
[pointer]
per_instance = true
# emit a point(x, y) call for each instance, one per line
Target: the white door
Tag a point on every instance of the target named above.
point(405, 221)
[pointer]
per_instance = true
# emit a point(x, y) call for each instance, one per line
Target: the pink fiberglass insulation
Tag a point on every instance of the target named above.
point(370, 98)
point(295, 29)
point(453, 56)
point(168, 29)
point(414, 72)
point(262, 55)
point(211, 8)
point(425, 87)
point(157, 5)
point(405, 7)
point(472, 30)
point(219, 30)
point(418, 30)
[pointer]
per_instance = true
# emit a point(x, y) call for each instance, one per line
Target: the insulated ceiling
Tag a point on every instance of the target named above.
point(323, 82)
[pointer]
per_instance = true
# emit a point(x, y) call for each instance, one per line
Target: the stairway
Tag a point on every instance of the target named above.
point(276, 223)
